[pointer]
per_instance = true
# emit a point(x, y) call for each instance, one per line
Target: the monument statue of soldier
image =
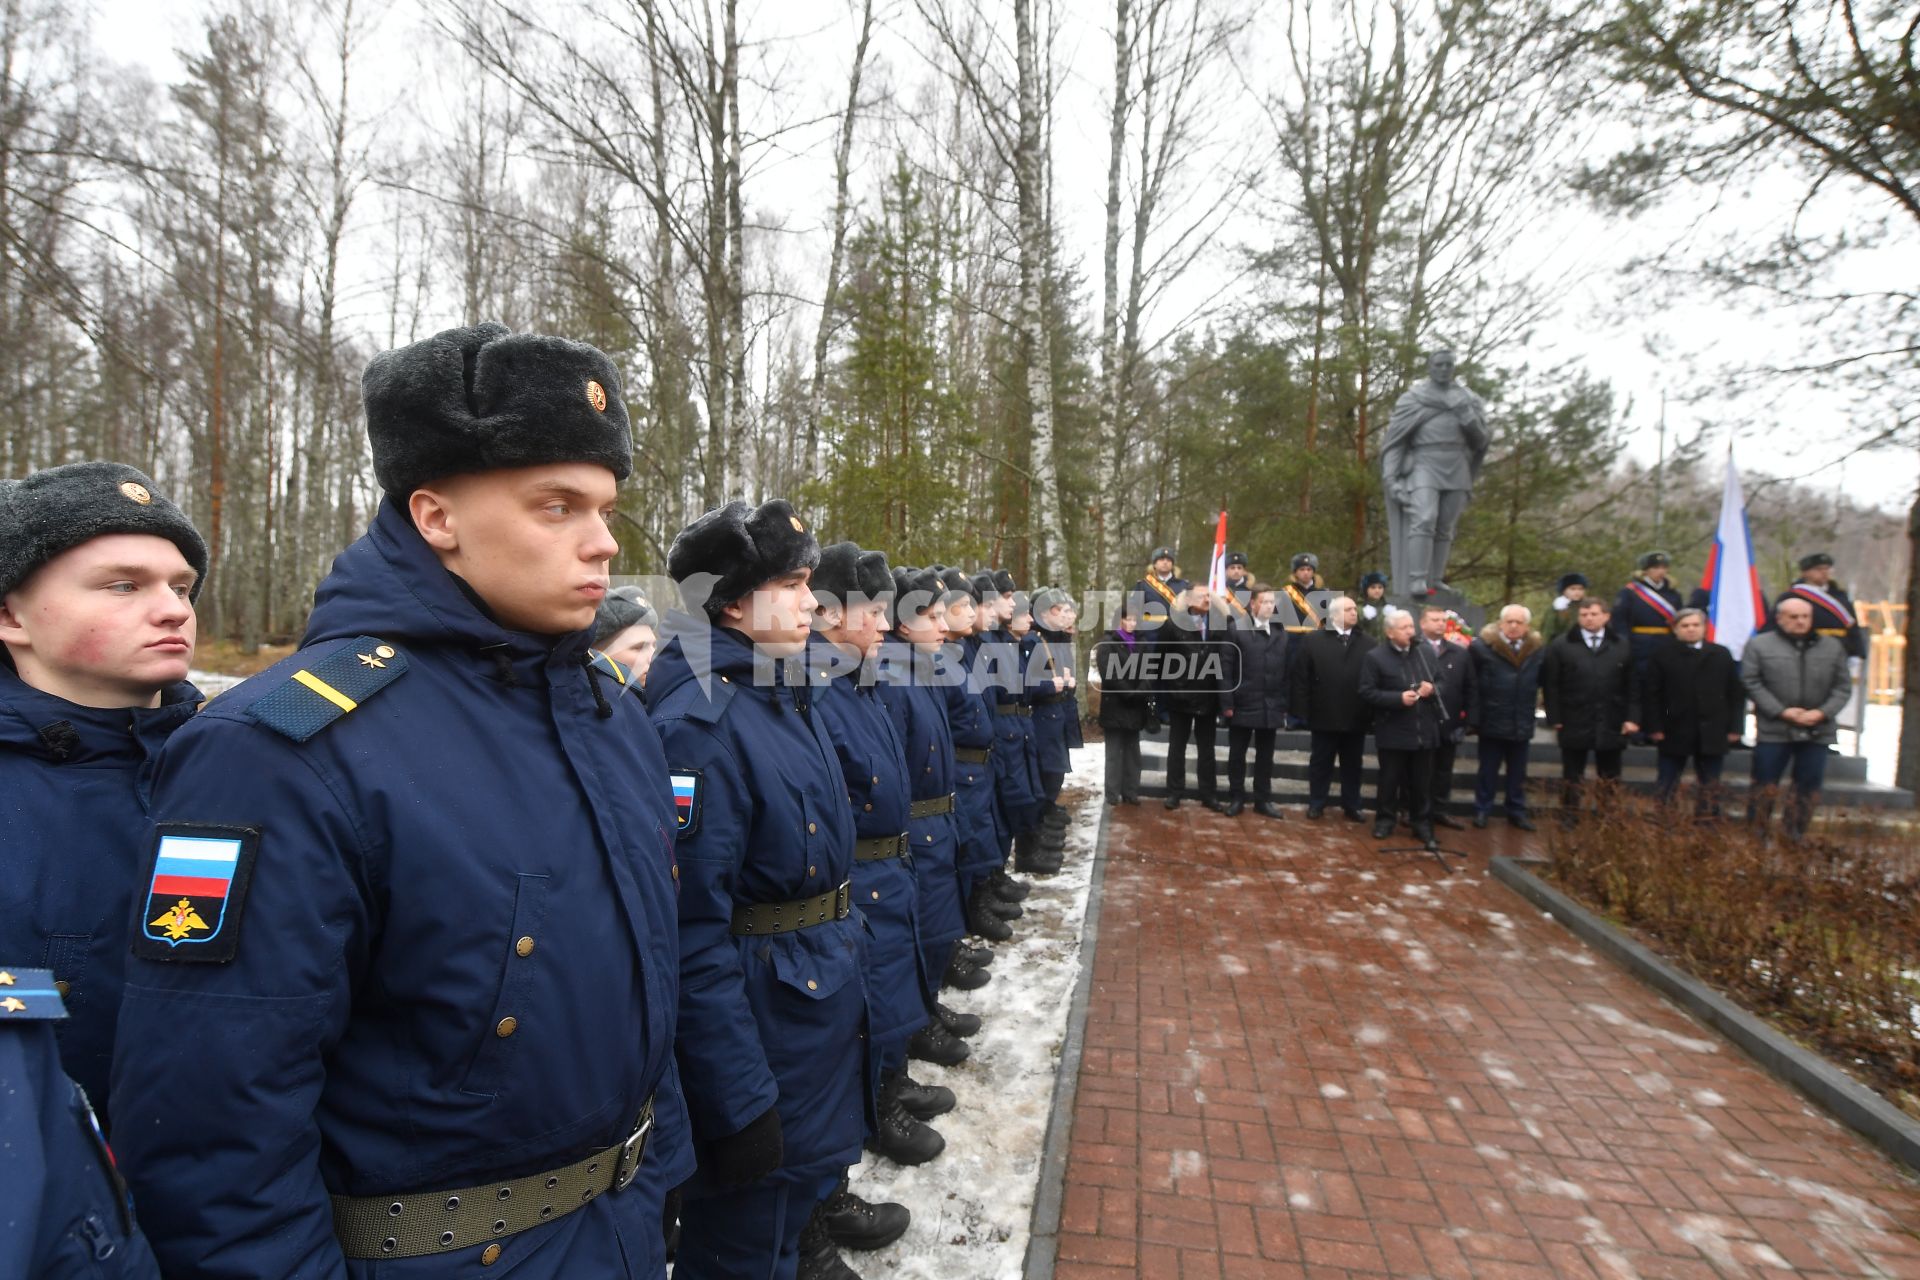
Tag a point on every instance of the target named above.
point(1436, 443)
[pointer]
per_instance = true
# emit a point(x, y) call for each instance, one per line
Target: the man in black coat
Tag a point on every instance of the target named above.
point(1124, 691)
point(1452, 677)
point(1396, 682)
point(1325, 692)
point(1506, 689)
point(1588, 682)
point(1253, 701)
point(1191, 673)
point(1693, 706)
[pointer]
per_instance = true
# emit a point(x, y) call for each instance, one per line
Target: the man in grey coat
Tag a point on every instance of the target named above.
point(1798, 682)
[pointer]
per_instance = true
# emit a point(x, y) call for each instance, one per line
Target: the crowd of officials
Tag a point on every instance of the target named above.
point(511, 922)
point(1257, 660)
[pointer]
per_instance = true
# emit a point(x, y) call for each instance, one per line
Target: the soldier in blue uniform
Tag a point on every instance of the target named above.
point(1833, 611)
point(996, 680)
point(67, 1209)
point(98, 574)
point(853, 589)
point(911, 688)
point(1644, 612)
point(1237, 600)
point(404, 966)
point(973, 784)
point(1052, 691)
point(773, 1003)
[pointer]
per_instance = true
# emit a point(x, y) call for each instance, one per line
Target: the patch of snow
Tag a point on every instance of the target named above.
point(1332, 1091)
point(1580, 958)
point(1188, 1164)
point(1234, 966)
point(1300, 1200)
point(1708, 1098)
point(1370, 1034)
point(973, 1206)
point(1614, 1018)
point(1652, 1082)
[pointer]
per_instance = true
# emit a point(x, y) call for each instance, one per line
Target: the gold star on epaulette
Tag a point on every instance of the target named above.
point(6, 979)
point(368, 660)
point(13, 1004)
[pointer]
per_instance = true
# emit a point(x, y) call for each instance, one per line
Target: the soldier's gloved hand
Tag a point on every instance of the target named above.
point(749, 1155)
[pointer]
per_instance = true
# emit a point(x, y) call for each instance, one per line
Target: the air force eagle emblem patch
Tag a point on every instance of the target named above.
point(195, 891)
point(686, 801)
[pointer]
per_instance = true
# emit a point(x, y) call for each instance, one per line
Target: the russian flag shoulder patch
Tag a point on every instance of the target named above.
point(196, 888)
point(686, 800)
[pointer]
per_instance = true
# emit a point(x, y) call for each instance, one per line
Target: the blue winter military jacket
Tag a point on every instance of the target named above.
point(1056, 714)
point(66, 1210)
point(408, 926)
point(975, 806)
point(874, 768)
point(765, 1020)
point(74, 827)
point(918, 704)
point(1016, 769)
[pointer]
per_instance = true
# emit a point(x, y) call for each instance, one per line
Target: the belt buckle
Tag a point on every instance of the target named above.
point(634, 1149)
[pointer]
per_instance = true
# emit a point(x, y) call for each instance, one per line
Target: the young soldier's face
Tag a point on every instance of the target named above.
point(533, 542)
point(925, 631)
point(633, 649)
point(1375, 593)
point(105, 624)
point(776, 615)
point(961, 615)
point(1304, 575)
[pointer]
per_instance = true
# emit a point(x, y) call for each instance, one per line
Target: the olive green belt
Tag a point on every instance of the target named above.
point(1011, 709)
point(418, 1224)
point(786, 917)
point(972, 755)
point(931, 808)
point(879, 848)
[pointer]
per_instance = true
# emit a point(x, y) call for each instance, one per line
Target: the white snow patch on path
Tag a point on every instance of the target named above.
point(1614, 1018)
point(973, 1205)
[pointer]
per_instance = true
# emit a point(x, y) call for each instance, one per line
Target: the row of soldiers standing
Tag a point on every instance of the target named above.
point(447, 942)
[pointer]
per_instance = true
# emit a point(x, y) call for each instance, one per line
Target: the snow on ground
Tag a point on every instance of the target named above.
point(973, 1205)
point(209, 684)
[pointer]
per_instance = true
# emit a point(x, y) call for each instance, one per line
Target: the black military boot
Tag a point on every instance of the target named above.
point(1048, 857)
point(934, 1043)
point(925, 1101)
point(900, 1138)
point(1057, 816)
point(1006, 888)
point(978, 957)
point(819, 1257)
point(990, 901)
point(853, 1223)
point(986, 923)
point(961, 1024)
point(1026, 853)
point(962, 976)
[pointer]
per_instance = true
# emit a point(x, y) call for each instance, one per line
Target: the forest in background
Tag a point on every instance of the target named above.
point(193, 273)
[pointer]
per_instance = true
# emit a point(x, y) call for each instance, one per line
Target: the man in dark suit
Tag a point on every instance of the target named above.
point(1253, 701)
point(1325, 692)
point(1587, 680)
point(1190, 692)
point(1692, 706)
point(1395, 681)
point(1452, 676)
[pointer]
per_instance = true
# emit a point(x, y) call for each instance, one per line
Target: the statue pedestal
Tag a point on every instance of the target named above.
point(1472, 616)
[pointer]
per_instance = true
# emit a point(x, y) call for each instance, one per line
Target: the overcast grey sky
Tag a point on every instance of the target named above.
point(1575, 253)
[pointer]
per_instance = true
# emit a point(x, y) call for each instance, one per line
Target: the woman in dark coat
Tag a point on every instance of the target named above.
point(1253, 701)
point(1693, 706)
point(1123, 704)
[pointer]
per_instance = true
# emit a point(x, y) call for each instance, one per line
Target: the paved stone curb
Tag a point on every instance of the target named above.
point(1849, 1101)
point(1043, 1240)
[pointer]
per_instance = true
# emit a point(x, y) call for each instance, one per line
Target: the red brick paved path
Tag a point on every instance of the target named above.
point(1304, 1060)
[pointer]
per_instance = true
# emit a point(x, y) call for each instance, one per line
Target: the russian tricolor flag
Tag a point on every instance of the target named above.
point(195, 867)
point(1217, 571)
point(1737, 607)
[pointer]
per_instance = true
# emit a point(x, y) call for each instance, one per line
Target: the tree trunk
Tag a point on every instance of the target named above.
point(1907, 766)
point(829, 298)
point(1111, 431)
point(1044, 509)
